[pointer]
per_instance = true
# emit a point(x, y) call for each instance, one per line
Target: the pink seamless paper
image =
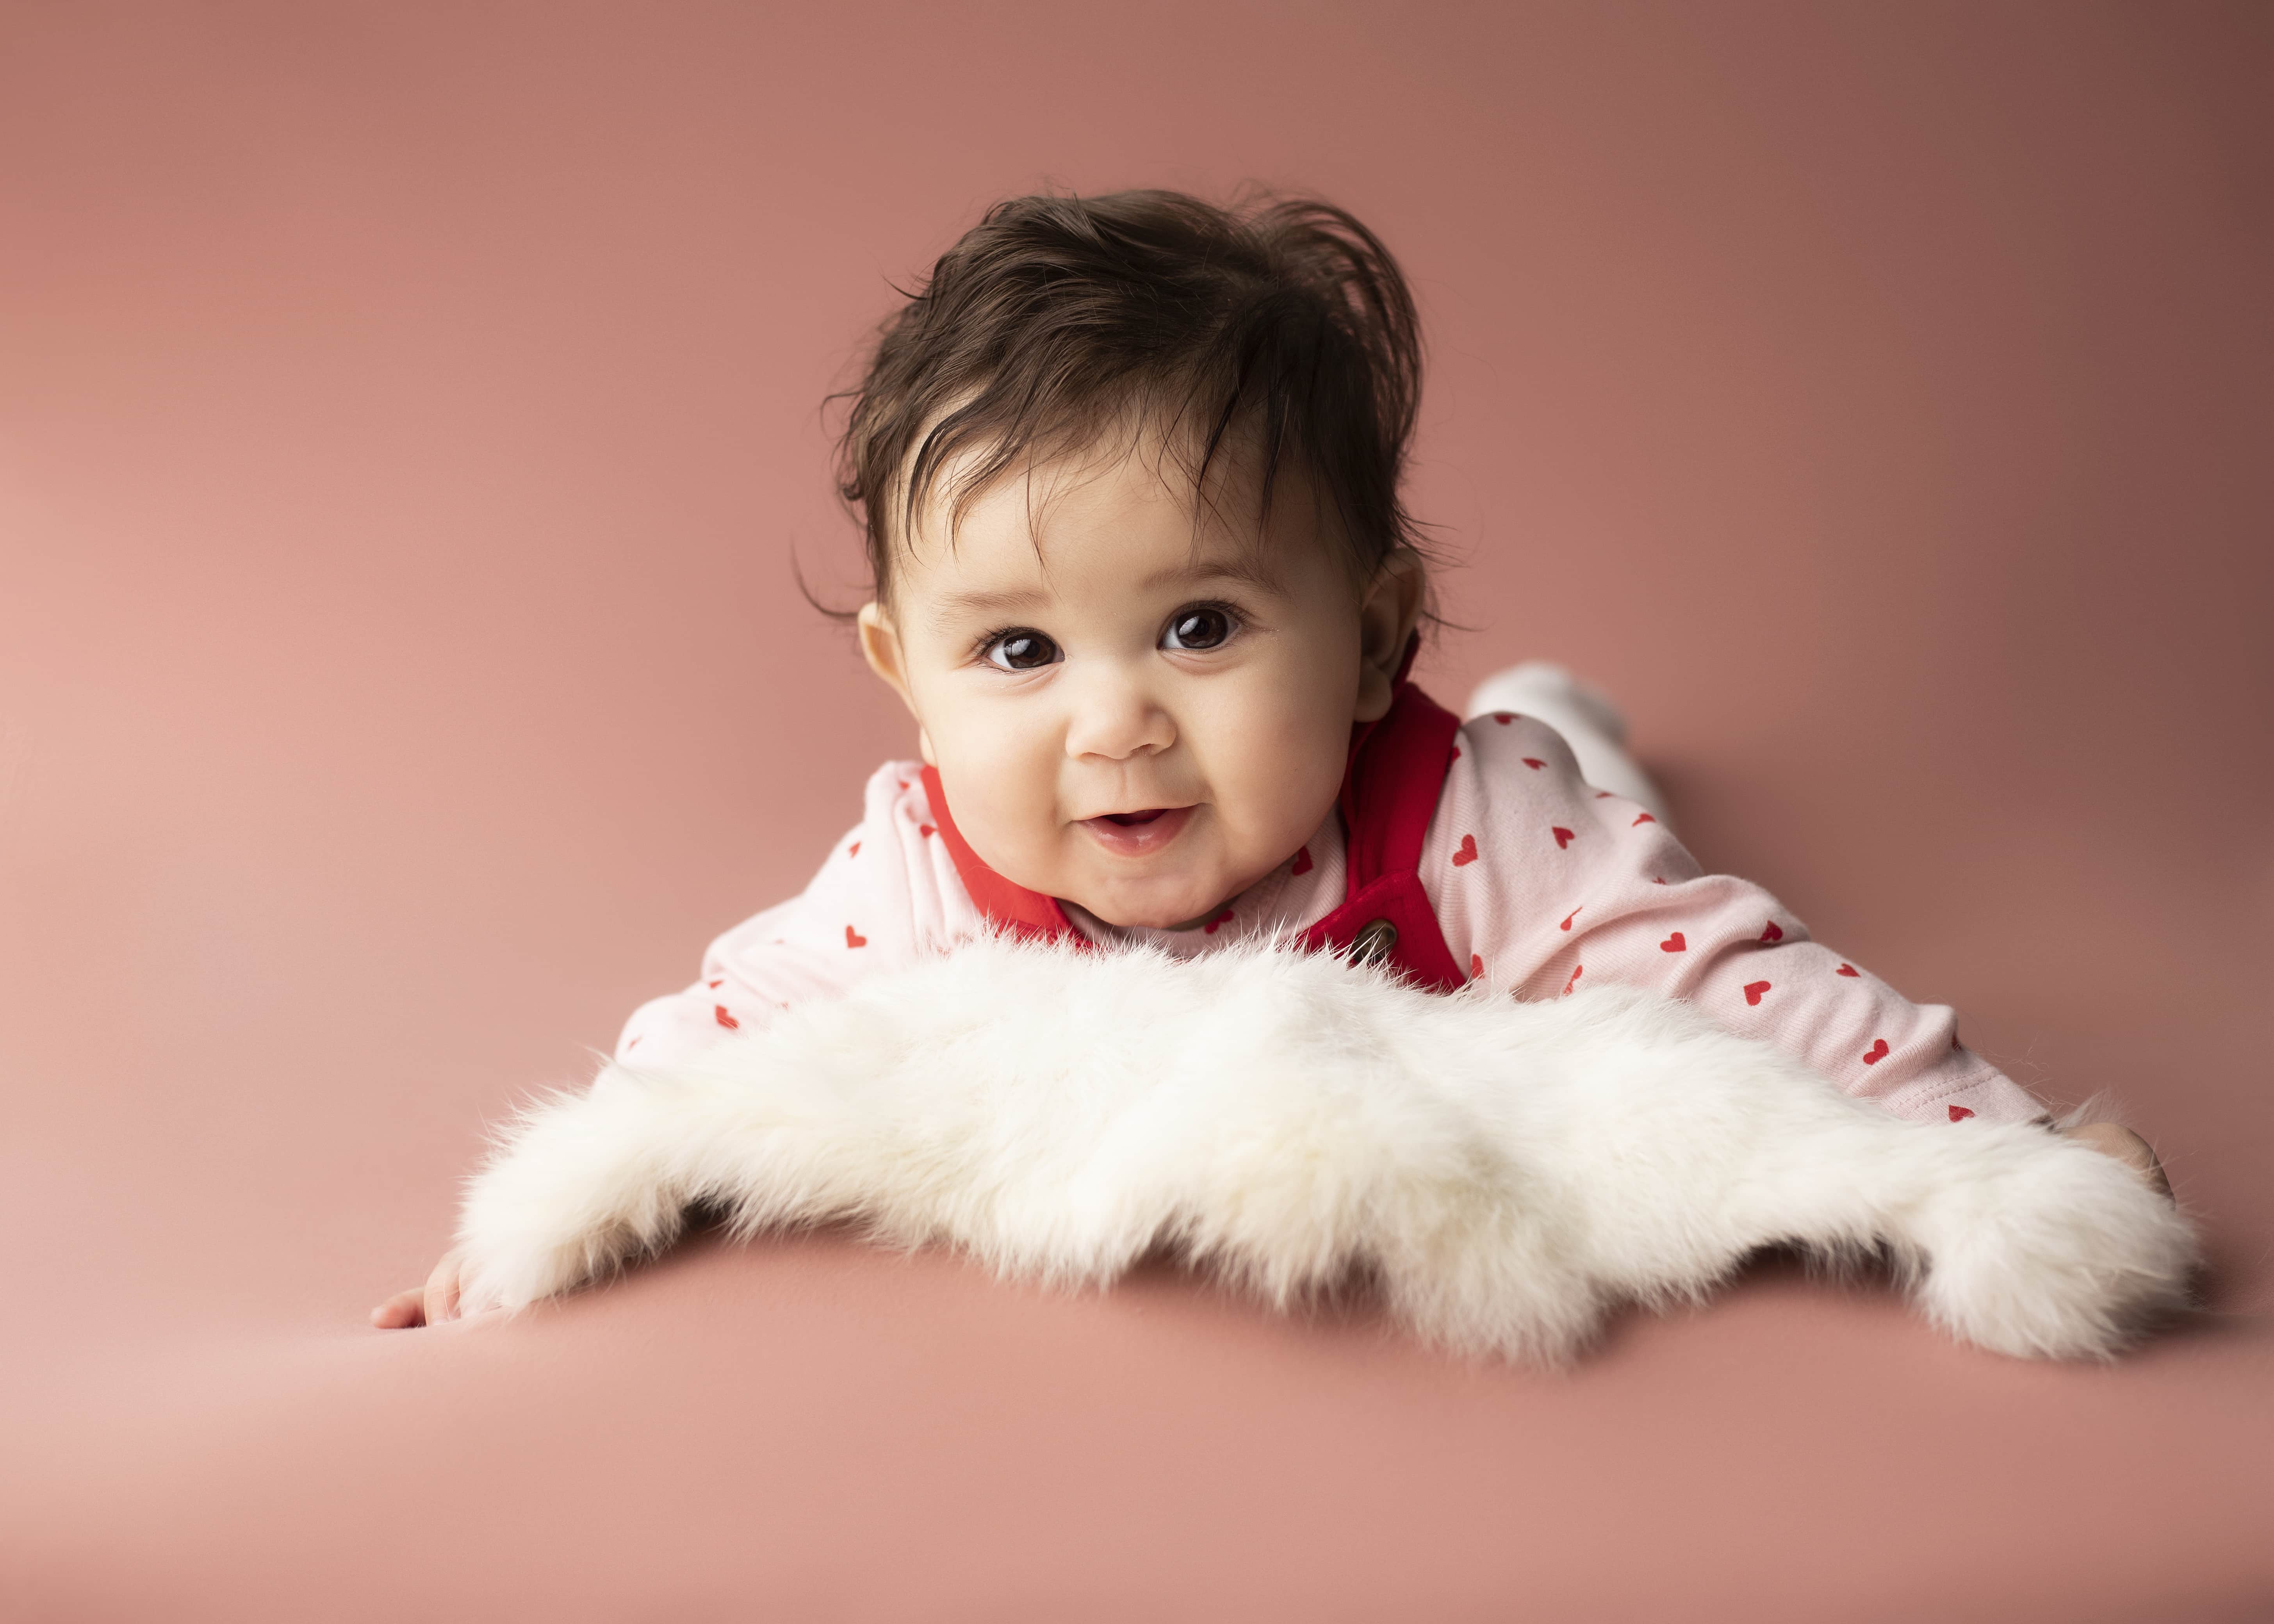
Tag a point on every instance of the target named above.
point(408, 422)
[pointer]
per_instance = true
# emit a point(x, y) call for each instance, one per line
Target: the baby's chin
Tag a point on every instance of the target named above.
point(1161, 904)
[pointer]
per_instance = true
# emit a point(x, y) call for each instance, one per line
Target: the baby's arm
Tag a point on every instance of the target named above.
point(887, 893)
point(1570, 886)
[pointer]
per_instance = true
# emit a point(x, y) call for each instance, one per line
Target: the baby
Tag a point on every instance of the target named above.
point(1129, 469)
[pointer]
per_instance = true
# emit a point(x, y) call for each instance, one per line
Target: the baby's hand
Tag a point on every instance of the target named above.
point(431, 1304)
point(2126, 1146)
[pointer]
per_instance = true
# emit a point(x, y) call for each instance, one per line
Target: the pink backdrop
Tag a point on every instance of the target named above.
point(408, 420)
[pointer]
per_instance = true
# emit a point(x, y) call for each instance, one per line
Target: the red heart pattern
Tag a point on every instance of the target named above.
point(1476, 966)
point(853, 938)
point(1848, 969)
point(926, 829)
point(1468, 852)
point(1209, 929)
point(1503, 717)
point(1876, 1053)
point(853, 849)
point(1673, 944)
point(1771, 933)
point(1754, 990)
point(1958, 1113)
point(1644, 818)
point(719, 1011)
point(1575, 971)
point(1302, 861)
point(720, 983)
point(1534, 763)
point(1568, 918)
point(1562, 837)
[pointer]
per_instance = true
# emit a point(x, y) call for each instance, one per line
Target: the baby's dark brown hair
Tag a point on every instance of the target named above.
point(1054, 319)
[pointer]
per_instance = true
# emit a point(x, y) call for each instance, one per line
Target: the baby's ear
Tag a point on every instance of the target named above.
point(880, 646)
point(1388, 609)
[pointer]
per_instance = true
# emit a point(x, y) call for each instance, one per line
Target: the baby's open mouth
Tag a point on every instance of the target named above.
point(1138, 834)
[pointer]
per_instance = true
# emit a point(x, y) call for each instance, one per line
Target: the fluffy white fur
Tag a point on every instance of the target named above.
point(1506, 1172)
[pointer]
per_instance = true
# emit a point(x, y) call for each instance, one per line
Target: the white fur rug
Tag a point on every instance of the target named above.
point(1506, 1172)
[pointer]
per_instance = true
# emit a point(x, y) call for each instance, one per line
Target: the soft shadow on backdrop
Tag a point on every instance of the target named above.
point(409, 417)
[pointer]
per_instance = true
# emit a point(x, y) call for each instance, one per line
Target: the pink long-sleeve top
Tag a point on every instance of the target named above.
point(1541, 882)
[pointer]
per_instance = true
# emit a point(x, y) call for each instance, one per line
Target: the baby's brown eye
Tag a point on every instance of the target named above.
point(1022, 651)
point(1197, 628)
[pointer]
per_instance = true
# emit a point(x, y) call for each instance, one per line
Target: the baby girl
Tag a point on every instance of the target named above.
point(1129, 469)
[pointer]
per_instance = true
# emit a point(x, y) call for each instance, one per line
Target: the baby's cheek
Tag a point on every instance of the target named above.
point(1275, 777)
point(1005, 803)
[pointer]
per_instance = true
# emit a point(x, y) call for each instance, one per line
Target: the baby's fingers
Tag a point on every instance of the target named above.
point(2127, 1147)
point(428, 1305)
point(402, 1312)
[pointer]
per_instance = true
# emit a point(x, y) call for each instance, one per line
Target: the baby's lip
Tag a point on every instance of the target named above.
point(1138, 833)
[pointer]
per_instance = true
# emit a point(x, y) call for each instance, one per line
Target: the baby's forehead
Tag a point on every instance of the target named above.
point(1131, 511)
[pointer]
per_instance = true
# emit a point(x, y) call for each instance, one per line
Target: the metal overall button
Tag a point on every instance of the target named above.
point(1373, 942)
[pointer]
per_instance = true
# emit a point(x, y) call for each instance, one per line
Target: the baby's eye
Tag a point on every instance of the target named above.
point(1020, 651)
point(1202, 627)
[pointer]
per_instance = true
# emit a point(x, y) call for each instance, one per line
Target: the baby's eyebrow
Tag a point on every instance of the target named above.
point(1246, 571)
point(990, 602)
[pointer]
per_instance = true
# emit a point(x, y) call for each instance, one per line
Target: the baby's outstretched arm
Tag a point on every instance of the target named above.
point(1615, 898)
point(1546, 885)
point(428, 1305)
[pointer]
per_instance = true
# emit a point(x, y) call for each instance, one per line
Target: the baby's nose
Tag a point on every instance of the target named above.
point(1116, 717)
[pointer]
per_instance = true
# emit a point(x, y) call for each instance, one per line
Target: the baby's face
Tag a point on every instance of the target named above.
point(1126, 712)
